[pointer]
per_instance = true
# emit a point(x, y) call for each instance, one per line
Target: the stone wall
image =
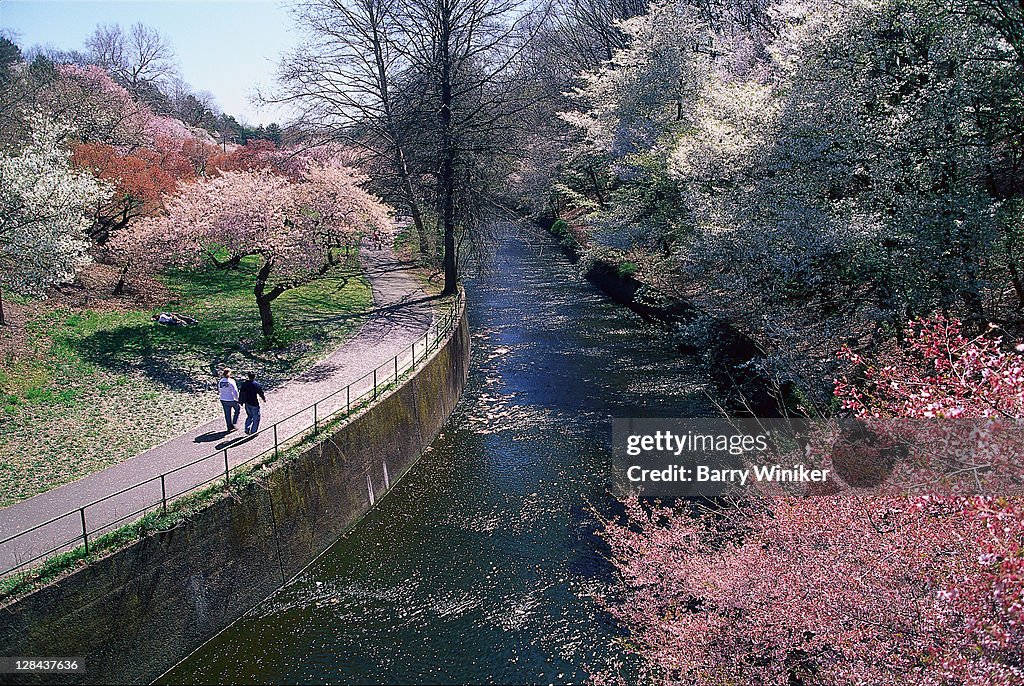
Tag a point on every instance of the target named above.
point(137, 612)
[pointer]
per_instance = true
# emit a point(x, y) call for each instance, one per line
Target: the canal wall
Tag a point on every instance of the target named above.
point(134, 614)
point(732, 359)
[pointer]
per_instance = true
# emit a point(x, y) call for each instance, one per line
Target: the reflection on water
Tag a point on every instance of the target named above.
point(481, 564)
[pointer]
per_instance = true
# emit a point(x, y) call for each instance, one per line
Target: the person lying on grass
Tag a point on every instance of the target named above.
point(173, 319)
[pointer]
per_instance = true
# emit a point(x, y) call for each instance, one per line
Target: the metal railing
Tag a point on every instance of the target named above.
point(158, 492)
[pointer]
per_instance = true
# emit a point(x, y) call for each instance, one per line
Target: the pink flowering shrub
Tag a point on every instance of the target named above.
point(939, 374)
point(848, 587)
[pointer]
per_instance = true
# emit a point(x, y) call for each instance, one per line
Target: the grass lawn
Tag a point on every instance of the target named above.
point(89, 386)
point(407, 246)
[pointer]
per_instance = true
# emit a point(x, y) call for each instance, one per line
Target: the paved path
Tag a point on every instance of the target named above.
point(402, 314)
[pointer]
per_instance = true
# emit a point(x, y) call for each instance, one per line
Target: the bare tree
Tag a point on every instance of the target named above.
point(141, 60)
point(468, 55)
point(588, 32)
point(434, 89)
point(342, 83)
point(196, 108)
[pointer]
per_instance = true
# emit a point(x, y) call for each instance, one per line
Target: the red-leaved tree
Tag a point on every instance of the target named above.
point(140, 185)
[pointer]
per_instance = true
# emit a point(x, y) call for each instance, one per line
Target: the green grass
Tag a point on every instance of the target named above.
point(103, 385)
point(406, 242)
point(627, 268)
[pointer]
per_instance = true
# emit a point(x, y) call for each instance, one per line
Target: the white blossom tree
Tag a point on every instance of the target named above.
point(807, 167)
point(46, 208)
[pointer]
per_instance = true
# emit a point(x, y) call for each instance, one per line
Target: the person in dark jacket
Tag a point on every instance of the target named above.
point(251, 393)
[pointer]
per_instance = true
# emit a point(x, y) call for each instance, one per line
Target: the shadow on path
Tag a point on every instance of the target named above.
point(210, 436)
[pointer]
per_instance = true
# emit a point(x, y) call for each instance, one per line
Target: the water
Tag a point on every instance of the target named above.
point(480, 566)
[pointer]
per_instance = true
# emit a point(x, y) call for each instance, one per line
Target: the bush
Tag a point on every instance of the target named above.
point(626, 269)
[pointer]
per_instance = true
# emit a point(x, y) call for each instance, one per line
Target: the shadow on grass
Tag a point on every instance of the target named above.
point(157, 351)
point(228, 330)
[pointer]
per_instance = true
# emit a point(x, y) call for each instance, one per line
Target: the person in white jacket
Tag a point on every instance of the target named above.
point(229, 399)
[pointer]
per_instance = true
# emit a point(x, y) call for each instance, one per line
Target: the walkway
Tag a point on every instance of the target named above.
point(403, 312)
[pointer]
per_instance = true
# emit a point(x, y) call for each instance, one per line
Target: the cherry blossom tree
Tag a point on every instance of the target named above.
point(96, 108)
point(842, 586)
point(937, 373)
point(46, 210)
point(841, 589)
point(811, 170)
point(290, 228)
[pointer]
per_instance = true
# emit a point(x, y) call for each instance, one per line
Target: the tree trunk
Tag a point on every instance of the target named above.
point(414, 206)
point(1018, 286)
point(451, 276)
point(119, 286)
point(400, 160)
point(263, 299)
point(233, 262)
point(3, 321)
point(597, 185)
point(447, 167)
point(266, 316)
point(969, 286)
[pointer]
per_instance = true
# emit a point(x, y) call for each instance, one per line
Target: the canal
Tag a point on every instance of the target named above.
point(482, 563)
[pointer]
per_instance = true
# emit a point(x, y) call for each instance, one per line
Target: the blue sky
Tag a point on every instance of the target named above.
point(226, 47)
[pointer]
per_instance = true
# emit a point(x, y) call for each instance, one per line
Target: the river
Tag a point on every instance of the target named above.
point(481, 564)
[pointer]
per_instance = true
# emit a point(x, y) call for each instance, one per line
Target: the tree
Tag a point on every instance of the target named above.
point(256, 154)
point(45, 212)
point(840, 167)
point(182, 151)
point(289, 228)
point(22, 82)
point(95, 108)
point(228, 131)
point(851, 586)
point(274, 133)
point(830, 590)
point(139, 184)
point(10, 55)
point(434, 91)
point(140, 60)
point(82, 100)
point(344, 80)
point(197, 109)
point(468, 54)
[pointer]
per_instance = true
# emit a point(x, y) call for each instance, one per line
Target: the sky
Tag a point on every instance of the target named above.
point(226, 47)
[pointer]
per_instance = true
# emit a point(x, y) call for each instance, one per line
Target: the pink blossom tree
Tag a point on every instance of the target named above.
point(842, 589)
point(291, 228)
point(96, 108)
point(939, 373)
point(847, 587)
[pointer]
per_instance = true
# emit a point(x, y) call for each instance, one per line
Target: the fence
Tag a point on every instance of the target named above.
point(153, 494)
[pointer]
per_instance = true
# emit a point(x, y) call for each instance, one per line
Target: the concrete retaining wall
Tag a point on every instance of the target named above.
point(136, 613)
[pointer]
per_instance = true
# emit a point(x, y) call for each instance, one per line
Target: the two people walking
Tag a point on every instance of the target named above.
point(232, 396)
